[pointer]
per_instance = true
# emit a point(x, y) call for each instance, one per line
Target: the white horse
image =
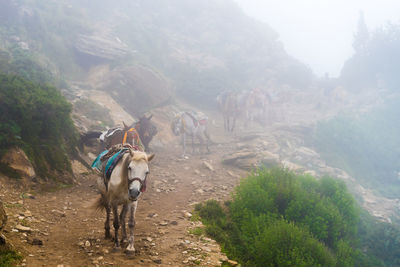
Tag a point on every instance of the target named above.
point(186, 123)
point(126, 183)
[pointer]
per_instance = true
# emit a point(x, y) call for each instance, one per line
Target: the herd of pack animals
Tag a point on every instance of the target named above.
point(123, 164)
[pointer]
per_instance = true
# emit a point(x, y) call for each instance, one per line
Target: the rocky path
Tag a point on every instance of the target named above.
point(60, 229)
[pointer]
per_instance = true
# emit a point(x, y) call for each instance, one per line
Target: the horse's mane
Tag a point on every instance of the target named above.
point(138, 155)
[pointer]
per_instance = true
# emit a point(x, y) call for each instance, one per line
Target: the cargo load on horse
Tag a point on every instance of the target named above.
point(139, 134)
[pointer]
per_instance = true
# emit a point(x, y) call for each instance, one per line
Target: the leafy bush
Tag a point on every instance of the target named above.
point(367, 147)
point(277, 218)
point(380, 240)
point(36, 117)
point(8, 258)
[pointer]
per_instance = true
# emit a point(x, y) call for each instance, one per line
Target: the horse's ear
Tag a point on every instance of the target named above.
point(124, 125)
point(151, 116)
point(150, 157)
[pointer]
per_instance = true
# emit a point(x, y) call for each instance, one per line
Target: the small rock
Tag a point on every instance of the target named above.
point(158, 261)
point(149, 239)
point(87, 243)
point(36, 242)
point(206, 249)
point(187, 215)
point(231, 174)
point(60, 213)
point(191, 258)
point(22, 228)
point(163, 223)
point(27, 213)
point(208, 166)
point(232, 263)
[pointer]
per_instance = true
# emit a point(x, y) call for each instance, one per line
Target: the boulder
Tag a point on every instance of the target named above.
point(16, 159)
point(269, 159)
point(101, 46)
point(231, 159)
point(292, 166)
point(137, 88)
point(244, 160)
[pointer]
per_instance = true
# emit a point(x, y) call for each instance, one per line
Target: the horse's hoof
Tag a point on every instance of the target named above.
point(116, 249)
point(130, 253)
point(107, 236)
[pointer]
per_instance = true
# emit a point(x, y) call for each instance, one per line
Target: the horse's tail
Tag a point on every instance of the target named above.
point(100, 203)
point(86, 137)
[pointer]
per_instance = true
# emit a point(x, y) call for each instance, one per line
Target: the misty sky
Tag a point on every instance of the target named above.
point(320, 32)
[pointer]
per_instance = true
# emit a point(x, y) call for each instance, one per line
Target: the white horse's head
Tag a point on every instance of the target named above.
point(138, 170)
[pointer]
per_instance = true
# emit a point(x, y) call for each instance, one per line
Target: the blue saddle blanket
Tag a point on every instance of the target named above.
point(97, 162)
point(111, 162)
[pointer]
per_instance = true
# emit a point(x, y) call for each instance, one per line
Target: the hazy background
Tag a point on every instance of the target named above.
point(320, 32)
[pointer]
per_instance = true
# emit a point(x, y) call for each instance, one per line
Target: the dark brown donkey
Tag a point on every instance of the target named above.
point(139, 135)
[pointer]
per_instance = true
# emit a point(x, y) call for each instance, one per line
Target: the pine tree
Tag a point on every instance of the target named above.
point(361, 37)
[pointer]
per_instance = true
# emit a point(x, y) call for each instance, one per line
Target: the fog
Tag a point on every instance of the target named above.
point(235, 110)
point(320, 32)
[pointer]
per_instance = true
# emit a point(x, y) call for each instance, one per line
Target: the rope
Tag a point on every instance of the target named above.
point(138, 142)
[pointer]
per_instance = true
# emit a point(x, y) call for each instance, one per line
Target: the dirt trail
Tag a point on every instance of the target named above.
point(73, 234)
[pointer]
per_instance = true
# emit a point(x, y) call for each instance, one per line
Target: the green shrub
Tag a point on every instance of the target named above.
point(36, 117)
point(277, 218)
point(367, 146)
point(8, 258)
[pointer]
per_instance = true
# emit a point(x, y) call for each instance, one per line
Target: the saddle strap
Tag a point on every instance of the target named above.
point(138, 143)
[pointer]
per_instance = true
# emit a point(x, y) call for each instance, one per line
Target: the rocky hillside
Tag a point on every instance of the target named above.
point(197, 48)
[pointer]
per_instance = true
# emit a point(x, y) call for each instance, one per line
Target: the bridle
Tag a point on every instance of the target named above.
point(143, 183)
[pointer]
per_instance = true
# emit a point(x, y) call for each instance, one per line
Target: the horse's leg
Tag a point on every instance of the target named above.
point(233, 123)
point(122, 217)
point(226, 126)
point(131, 224)
point(192, 135)
point(184, 143)
point(107, 223)
point(116, 227)
point(201, 141)
point(207, 139)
